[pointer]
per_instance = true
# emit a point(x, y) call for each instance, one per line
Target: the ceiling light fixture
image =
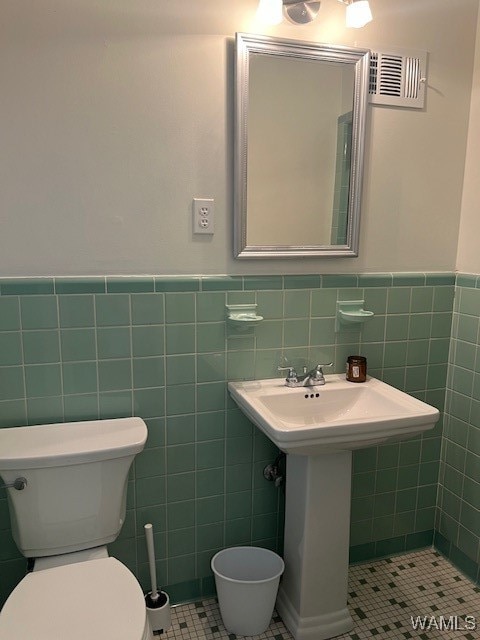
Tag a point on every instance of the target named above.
point(300, 12)
point(271, 12)
point(358, 13)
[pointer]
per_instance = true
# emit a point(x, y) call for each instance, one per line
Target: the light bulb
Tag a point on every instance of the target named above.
point(270, 11)
point(358, 14)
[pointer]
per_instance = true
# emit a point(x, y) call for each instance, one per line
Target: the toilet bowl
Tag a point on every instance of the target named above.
point(94, 600)
point(70, 503)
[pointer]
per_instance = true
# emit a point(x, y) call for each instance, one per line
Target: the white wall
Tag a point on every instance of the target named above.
point(115, 113)
point(468, 259)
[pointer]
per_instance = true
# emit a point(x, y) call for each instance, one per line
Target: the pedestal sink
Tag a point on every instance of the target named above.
point(318, 427)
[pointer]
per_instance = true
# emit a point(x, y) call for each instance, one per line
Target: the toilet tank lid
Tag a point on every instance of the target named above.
point(60, 444)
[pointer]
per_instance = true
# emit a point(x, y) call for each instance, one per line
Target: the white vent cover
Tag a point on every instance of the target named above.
point(398, 78)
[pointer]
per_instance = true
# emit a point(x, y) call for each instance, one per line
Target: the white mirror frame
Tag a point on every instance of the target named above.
point(246, 45)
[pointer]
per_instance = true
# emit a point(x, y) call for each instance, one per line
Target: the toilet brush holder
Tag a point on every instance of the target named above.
point(158, 611)
point(156, 600)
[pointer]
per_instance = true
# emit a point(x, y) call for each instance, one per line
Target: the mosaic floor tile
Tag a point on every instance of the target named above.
point(384, 597)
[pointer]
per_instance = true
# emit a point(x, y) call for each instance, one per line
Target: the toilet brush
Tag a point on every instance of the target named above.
point(157, 601)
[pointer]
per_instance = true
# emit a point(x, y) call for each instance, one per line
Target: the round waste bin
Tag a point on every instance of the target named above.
point(247, 583)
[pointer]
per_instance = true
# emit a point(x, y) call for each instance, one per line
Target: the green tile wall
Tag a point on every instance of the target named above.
point(158, 347)
point(458, 516)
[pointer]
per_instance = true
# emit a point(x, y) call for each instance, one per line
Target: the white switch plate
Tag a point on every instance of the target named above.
point(204, 215)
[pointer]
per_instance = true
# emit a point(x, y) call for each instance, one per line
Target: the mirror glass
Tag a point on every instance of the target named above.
point(299, 147)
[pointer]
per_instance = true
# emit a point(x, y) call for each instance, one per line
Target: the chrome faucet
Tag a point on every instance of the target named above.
point(312, 378)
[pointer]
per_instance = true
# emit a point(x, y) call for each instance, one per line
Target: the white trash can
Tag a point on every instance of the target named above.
point(247, 583)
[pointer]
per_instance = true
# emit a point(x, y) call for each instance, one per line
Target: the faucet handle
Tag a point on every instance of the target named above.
point(291, 378)
point(316, 374)
point(319, 367)
point(291, 371)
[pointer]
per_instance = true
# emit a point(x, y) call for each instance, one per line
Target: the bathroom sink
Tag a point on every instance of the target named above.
point(319, 427)
point(338, 416)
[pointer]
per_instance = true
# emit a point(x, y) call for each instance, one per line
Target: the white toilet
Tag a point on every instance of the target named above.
point(68, 504)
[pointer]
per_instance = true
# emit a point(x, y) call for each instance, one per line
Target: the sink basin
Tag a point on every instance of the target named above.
point(338, 416)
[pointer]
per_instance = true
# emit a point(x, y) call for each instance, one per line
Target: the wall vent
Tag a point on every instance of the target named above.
point(398, 78)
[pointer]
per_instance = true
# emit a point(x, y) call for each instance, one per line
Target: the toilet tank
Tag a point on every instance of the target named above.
point(76, 473)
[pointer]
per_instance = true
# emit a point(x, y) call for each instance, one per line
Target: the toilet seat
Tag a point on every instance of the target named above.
point(97, 599)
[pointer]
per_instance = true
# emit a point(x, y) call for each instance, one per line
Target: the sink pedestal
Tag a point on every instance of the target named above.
point(312, 599)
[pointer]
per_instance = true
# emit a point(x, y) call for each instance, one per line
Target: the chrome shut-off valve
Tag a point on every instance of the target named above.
point(273, 473)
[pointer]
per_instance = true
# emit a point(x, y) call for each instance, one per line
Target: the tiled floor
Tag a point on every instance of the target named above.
point(383, 596)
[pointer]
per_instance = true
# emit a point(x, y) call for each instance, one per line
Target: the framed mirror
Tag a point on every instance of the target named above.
point(300, 117)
